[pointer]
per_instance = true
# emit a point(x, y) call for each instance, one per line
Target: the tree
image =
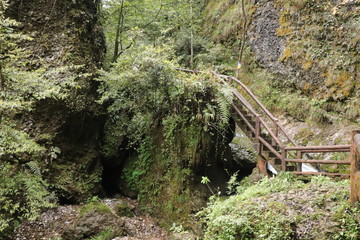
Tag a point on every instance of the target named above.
point(148, 23)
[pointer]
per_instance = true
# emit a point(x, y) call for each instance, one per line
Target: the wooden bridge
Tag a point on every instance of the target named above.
point(276, 148)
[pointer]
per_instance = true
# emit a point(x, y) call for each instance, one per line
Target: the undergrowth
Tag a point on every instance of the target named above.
point(284, 208)
point(175, 122)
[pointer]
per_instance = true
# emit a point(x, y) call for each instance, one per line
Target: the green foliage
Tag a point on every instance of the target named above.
point(94, 205)
point(132, 24)
point(348, 221)
point(274, 209)
point(17, 144)
point(104, 235)
point(124, 209)
point(146, 91)
point(23, 194)
point(165, 115)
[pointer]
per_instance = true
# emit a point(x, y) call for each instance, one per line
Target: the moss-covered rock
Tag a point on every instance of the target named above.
point(67, 44)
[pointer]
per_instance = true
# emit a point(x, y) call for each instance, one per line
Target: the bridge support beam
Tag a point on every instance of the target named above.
point(261, 165)
point(355, 167)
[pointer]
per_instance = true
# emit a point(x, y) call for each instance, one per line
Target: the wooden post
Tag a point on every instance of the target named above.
point(355, 167)
point(283, 157)
point(261, 165)
point(299, 165)
point(276, 128)
point(257, 133)
point(230, 81)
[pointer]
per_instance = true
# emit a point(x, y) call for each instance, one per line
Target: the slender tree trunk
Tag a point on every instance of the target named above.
point(119, 32)
point(2, 79)
point(192, 36)
point(98, 5)
point(2, 87)
point(243, 40)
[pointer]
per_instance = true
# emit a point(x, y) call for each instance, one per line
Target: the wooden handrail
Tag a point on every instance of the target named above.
point(276, 139)
point(262, 107)
point(248, 91)
point(244, 118)
point(245, 103)
point(323, 173)
point(268, 145)
point(335, 148)
point(256, 129)
point(342, 162)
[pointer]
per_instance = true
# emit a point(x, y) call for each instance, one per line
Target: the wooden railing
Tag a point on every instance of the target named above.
point(266, 137)
point(355, 167)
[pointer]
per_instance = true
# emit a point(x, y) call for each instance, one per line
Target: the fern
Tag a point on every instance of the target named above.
point(224, 99)
point(34, 168)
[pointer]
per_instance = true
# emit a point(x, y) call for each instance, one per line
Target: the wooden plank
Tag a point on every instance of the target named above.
point(340, 162)
point(299, 165)
point(283, 157)
point(335, 148)
point(277, 154)
point(273, 135)
point(267, 112)
point(323, 173)
point(355, 167)
point(244, 102)
point(244, 118)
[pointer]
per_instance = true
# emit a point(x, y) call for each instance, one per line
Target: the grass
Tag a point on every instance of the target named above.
point(284, 208)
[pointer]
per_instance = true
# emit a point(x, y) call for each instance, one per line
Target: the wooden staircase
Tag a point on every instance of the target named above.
point(275, 148)
point(272, 143)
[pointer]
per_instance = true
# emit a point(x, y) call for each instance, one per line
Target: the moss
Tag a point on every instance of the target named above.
point(285, 25)
point(286, 54)
point(308, 65)
point(94, 206)
point(124, 210)
point(283, 208)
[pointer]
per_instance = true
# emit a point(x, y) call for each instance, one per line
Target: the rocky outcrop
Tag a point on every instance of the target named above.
point(66, 35)
point(304, 43)
point(94, 220)
point(267, 46)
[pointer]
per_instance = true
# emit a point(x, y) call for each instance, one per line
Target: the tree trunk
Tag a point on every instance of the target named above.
point(192, 36)
point(243, 40)
point(119, 32)
point(2, 87)
point(2, 79)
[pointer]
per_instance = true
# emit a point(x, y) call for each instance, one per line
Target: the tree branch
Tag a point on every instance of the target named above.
point(134, 38)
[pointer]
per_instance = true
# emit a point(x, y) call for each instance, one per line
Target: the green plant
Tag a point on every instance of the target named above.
point(23, 195)
point(274, 209)
point(169, 118)
point(94, 205)
point(104, 235)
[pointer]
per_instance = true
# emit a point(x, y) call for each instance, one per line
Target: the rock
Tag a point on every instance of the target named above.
point(94, 222)
point(263, 39)
point(182, 236)
point(124, 210)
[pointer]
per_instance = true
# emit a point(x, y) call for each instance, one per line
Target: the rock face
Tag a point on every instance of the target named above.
point(66, 34)
point(305, 44)
point(312, 46)
point(267, 46)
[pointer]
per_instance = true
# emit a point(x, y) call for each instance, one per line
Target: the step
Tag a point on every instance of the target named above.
point(269, 154)
point(274, 161)
point(291, 168)
point(241, 122)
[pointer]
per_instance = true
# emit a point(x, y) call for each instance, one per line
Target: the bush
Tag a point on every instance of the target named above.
point(23, 194)
point(283, 208)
